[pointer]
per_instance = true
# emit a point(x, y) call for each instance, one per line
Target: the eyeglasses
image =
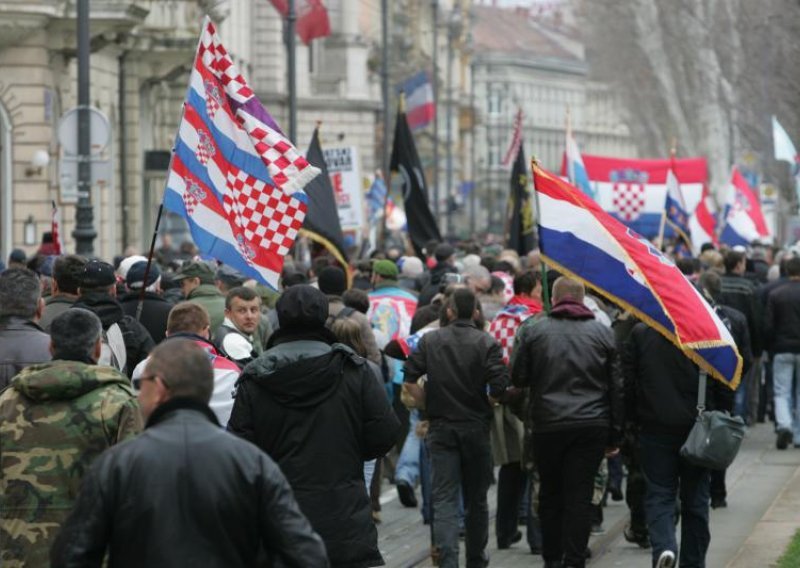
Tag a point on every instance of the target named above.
point(137, 383)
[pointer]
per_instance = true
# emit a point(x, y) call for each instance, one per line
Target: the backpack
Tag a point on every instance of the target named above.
point(112, 348)
point(345, 312)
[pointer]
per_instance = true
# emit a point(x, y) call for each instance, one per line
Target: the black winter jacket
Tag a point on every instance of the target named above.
point(138, 342)
point(22, 343)
point(462, 363)
point(570, 362)
point(740, 293)
point(782, 321)
point(185, 493)
point(661, 385)
point(318, 411)
point(155, 311)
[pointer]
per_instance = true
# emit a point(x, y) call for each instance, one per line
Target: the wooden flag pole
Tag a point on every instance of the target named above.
point(537, 219)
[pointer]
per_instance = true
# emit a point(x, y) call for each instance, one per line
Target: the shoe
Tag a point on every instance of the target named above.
point(636, 537)
point(406, 494)
point(597, 528)
point(784, 437)
point(719, 503)
point(666, 560)
point(536, 550)
point(514, 540)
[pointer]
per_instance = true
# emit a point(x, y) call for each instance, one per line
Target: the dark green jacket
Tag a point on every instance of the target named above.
point(209, 296)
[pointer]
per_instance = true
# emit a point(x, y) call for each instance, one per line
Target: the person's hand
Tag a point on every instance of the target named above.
point(611, 452)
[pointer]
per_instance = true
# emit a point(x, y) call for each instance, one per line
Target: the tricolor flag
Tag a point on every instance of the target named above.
point(785, 151)
point(576, 171)
point(703, 222)
point(743, 220)
point(676, 213)
point(234, 176)
point(420, 107)
point(55, 230)
point(581, 240)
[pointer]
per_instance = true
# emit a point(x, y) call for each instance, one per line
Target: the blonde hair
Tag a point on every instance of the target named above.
point(348, 331)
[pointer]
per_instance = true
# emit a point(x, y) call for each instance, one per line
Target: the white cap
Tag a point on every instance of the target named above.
point(126, 264)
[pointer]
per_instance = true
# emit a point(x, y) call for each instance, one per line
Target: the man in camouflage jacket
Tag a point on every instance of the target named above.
point(55, 419)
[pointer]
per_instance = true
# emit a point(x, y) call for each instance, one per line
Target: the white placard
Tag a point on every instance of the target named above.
point(345, 173)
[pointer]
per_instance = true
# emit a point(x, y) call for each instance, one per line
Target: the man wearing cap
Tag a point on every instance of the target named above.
point(67, 271)
point(332, 282)
point(17, 259)
point(314, 406)
point(445, 256)
point(155, 309)
point(98, 293)
point(197, 283)
point(390, 306)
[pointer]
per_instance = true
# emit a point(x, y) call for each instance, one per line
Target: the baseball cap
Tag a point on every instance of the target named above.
point(135, 277)
point(229, 276)
point(97, 273)
point(443, 252)
point(196, 269)
point(126, 263)
point(385, 268)
point(17, 255)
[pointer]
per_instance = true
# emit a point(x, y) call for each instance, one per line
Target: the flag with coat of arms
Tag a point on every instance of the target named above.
point(234, 175)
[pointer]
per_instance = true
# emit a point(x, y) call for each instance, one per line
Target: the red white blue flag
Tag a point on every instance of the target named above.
point(744, 221)
point(703, 222)
point(580, 239)
point(234, 176)
point(420, 110)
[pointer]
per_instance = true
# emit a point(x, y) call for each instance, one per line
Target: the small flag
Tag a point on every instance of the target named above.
point(785, 151)
point(675, 206)
point(576, 171)
point(520, 207)
point(376, 197)
point(581, 240)
point(55, 230)
point(312, 18)
point(405, 161)
point(516, 139)
point(420, 108)
point(703, 223)
point(322, 218)
point(744, 221)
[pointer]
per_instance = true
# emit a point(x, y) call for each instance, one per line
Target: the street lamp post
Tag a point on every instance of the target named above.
point(84, 233)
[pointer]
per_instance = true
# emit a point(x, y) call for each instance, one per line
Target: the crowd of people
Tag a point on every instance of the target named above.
point(174, 412)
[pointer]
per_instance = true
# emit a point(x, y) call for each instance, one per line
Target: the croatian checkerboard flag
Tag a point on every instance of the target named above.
point(234, 176)
point(744, 221)
point(581, 240)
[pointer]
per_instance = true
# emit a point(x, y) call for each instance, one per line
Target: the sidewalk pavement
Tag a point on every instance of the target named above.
point(762, 514)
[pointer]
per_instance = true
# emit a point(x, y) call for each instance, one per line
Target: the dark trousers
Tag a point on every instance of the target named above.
point(634, 494)
point(718, 488)
point(461, 463)
point(567, 462)
point(665, 472)
point(511, 482)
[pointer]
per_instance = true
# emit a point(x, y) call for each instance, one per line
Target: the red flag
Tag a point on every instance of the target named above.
point(312, 18)
point(55, 230)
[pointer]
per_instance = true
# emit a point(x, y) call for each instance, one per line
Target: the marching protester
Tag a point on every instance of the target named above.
point(235, 338)
point(197, 284)
point(315, 407)
point(155, 309)
point(229, 500)
point(56, 419)
point(67, 271)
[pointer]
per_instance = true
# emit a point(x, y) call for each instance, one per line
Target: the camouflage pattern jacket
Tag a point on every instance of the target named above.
point(56, 418)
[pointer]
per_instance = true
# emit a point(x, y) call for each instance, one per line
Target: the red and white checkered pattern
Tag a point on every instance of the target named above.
point(216, 59)
point(503, 328)
point(629, 199)
point(205, 147)
point(213, 98)
point(266, 216)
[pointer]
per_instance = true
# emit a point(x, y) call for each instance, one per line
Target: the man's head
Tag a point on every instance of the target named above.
point(384, 270)
point(792, 268)
point(445, 253)
point(568, 289)
point(528, 284)
point(127, 263)
point(461, 305)
point(478, 279)
point(193, 274)
point(735, 262)
point(75, 336)
point(711, 283)
point(67, 272)
point(135, 277)
point(332, 281)
point(411, 266)
point(98, 277)
point(302, 308)
point(188, 317)
point(243, 308)
point(227, 278)
point(176, 368)
point(20, 294)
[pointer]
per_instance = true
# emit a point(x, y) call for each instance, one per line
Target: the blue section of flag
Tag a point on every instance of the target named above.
point(376, 197)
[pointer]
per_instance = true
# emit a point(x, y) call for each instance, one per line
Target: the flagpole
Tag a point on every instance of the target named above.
point(537, 217)
point(291, 50)
point(570, 165)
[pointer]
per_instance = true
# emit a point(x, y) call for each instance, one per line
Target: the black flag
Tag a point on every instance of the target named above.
point(520, 234)
point(322, 218)
point(405, 161)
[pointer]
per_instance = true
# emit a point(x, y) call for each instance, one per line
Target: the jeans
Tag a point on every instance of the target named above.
point(461, 464)
point(787, 403)
point(567, 462)
point(740, 398)
point(407, 468)
point(664, 472)
point(425, 482)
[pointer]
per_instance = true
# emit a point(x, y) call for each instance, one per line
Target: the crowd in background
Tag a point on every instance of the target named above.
point(444, 373)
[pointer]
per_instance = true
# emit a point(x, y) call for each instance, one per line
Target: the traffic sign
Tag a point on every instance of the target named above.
point(99, 128)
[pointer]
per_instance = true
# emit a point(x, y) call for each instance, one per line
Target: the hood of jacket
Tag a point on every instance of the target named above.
point(65, 380)
point(205, 291)
point(108, 309)
point(301, 374)
point(570, 309)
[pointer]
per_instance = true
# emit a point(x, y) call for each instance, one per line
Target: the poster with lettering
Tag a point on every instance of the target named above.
point(345, 174)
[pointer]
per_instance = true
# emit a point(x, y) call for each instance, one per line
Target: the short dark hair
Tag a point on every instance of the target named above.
point(241, 292)
point(20, 291)
point(687, 266)
point(356, 299)
point(187, 317)
point(732, 259)
point(463, 303)
point(289, 279)
point(525, 283)
point(184, 367)
point(503, 266)
point(67, 272)
point(74, 333)
point(792, 266)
